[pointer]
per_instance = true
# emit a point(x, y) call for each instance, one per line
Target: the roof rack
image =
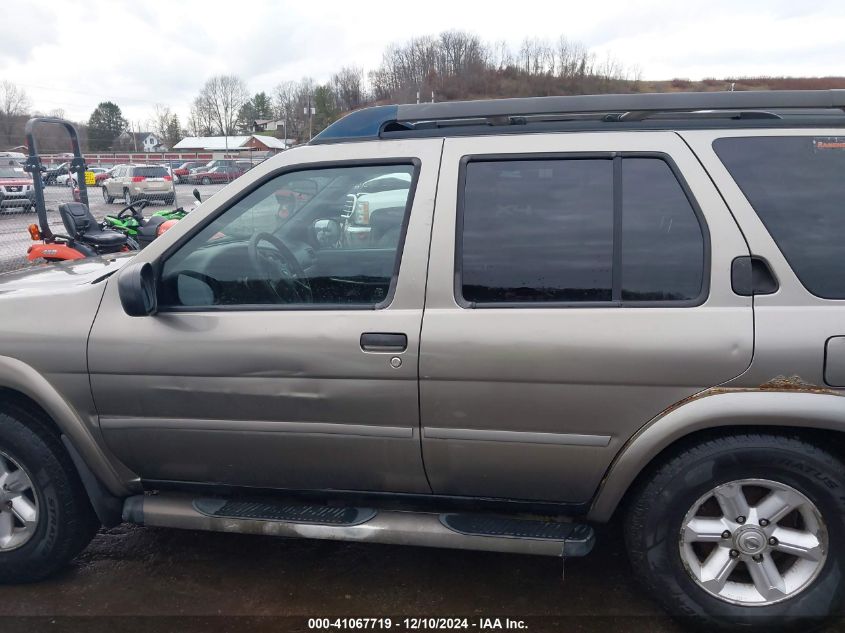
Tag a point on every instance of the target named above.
point(372, 123)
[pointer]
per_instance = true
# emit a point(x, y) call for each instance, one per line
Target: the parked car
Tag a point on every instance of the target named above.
point(182, 170)
point(69, 180)
point(15, 188)
point(219, 174)
point(102, 176)
point(51, 175)
point(613, 308)
point(221, 162)
point(377, 197)
point(133, 182)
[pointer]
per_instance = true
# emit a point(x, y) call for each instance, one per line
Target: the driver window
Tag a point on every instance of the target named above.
point(328, 237)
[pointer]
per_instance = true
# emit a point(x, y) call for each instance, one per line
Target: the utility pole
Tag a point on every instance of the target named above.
point(310, 111)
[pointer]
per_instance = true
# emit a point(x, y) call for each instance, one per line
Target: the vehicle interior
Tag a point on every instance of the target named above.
point(283, 244)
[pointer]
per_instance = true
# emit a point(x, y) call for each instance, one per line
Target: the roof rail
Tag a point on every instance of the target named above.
point(369, 123)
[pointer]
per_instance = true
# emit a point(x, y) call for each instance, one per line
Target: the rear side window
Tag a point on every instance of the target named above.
point(796, 184)
point(662, 245)
point(586, 230)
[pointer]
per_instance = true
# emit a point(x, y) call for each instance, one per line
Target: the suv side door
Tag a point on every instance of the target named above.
point(249, 379)
point(579, 285)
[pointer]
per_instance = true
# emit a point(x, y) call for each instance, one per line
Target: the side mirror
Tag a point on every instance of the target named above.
point(327, 233)
point(136, 285)
point(197, 195)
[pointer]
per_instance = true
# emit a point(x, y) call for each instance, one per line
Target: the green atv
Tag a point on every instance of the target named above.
point(131, 222)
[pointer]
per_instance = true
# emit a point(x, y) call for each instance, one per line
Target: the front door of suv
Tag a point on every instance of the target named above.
point(579, 285)
point(284, 354)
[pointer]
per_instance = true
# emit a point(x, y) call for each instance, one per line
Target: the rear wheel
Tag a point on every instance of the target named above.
point(127, 198)
point(743, 530)
point(170, 200)
point(45, 516)
point(206, 181)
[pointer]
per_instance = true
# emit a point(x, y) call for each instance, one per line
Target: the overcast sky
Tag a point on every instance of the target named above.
point(73, 54)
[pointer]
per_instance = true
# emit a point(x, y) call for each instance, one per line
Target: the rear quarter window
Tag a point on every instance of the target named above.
point(796, 185)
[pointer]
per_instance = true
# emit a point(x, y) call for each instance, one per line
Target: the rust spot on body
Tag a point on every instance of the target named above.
point(793, 383)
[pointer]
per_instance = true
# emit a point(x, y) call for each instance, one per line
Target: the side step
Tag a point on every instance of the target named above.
point(452, 530)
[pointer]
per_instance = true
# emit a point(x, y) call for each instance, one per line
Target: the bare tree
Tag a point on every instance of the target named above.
point(200, 121)
point(165, 125)
point(284, 105)
point(348, 86)
point(14, 103)
point(220, 101)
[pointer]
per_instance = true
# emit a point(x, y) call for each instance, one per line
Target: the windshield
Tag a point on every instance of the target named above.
point(8, 172)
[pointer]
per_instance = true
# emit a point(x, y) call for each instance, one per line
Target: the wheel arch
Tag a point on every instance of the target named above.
point(24, 387)
point(816, 412)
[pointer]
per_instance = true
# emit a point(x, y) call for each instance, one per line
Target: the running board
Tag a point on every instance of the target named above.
point(453, 530)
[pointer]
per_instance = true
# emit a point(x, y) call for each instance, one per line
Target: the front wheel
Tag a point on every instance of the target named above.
point(108, 199)
point(206, 181)
point(743, 530)
point(45, 516)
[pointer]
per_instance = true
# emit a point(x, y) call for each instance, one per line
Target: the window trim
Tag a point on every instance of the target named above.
point(413, 162)
point(616, 276)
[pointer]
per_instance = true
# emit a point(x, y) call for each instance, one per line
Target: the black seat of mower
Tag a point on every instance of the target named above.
point(83, 226)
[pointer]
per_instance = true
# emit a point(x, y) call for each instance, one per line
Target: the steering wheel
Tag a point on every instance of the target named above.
point(135, 213)
point(283, 262)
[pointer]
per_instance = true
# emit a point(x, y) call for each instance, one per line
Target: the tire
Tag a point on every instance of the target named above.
point(206, 181)
point(170, 200)
point(666, 498)
point(109, 199)
point(66, 523)
point(127, 198)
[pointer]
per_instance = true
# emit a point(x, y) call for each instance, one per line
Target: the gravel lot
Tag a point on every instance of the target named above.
point(14, 238)
point(153, 580)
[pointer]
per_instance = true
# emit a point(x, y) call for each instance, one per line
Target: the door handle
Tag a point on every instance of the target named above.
point(383, 342)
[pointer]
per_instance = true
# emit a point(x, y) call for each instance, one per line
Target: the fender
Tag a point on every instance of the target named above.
point(49, 252)
point(17, 375)
point(810, 409)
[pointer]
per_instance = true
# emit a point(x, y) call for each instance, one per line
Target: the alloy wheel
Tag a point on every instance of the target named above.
point(753, 542)
point(18, 505)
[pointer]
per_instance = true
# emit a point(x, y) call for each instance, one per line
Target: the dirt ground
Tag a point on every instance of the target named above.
point(156, 581)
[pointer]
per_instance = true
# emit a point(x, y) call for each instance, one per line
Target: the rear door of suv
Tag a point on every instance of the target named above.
point(786, 189)
point(579, 284)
